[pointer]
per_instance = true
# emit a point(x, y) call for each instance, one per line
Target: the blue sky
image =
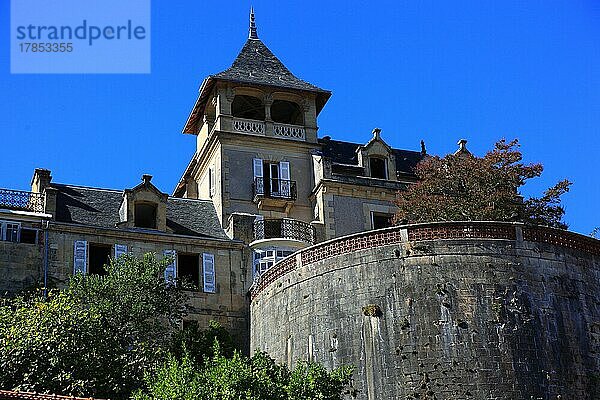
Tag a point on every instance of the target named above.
point(437, 71)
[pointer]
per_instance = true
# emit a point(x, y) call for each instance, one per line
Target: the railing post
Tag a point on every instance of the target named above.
point(404, 234)
point(519, 235)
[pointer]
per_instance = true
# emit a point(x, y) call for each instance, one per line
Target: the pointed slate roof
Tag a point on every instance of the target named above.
point(254, 65)
point(257, 64)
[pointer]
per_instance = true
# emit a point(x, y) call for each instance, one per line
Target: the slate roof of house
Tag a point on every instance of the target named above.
point(340, 152)
point(10, 395)
point(100, 207)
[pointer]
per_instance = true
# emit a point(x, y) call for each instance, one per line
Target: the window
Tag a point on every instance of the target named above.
point(145, 215)
point(99, 256)
point(28, 236)
point(189, 269)
point(14, 232)
point(380, 220)
point(9, 231)
point(378, 167)
point(276, 180)
point(265, 259)
point(286, 112)
point(248, 107)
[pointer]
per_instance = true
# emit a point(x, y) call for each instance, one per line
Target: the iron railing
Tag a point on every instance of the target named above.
point(20, 200)
point(274, 188)
point(285, 228)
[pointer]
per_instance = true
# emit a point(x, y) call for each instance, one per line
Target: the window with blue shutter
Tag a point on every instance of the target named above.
point(171, 269)
point(120, 249)
point(208, 268)
point(80, 257)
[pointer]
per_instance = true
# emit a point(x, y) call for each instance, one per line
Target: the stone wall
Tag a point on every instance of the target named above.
point(21, 266)
point(455, 311)
point(228, 305)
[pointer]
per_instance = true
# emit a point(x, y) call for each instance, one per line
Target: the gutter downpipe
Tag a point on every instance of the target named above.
point(46, 258)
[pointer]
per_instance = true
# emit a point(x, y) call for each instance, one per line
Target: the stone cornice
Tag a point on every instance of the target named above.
point(365, 190)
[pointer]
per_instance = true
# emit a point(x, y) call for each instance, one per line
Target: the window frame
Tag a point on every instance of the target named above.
point(135, 213)
point(380, 214)
point(4, 231)
point(385, 167)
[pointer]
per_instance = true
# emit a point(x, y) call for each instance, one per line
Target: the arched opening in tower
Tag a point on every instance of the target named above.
point(248, 107)
point(286, 112)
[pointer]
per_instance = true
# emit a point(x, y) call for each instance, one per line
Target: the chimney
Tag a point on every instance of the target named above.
point(423, 149)
point(146, 178)
point(41, 180)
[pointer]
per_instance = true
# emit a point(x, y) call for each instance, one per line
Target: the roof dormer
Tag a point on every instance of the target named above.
point(377, 158)
point(144, 207)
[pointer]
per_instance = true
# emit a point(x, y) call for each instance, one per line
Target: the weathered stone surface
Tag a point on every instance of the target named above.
point(460, 319)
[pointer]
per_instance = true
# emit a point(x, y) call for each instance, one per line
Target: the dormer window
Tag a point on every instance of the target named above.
point(378, 167)
point(248, 107)
point(145, 215)
point(144, 206)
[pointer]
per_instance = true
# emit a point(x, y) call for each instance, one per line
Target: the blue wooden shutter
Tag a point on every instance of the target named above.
point(80, 257)
point(208, 268)
point(171, 269)
point(120, 249)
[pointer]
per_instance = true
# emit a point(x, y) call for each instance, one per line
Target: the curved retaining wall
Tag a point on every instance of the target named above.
point(441, 311)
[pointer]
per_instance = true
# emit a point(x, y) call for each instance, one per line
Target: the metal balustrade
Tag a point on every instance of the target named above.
point(284, 228)
point(275, 188)
point(20, 200)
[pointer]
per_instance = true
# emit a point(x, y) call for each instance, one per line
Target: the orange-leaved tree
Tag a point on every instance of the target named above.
point(464, 187)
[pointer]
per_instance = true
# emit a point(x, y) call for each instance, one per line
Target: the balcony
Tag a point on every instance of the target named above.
point(274, 189)
point(22, 201)
point(243, 125)
point(285, 228)
point(287, 131)
point(256, 127)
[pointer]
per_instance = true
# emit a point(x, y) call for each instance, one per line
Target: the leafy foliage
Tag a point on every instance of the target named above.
point(95, 338)
point(197, 344)
point(240, 377)
point(106, 336)
point(463, 187)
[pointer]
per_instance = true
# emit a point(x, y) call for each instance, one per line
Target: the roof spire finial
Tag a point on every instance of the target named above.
point(252, 34)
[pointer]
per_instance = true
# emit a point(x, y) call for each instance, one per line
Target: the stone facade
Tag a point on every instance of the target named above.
point(78, 229)
point(482, 311)
point(228, 304)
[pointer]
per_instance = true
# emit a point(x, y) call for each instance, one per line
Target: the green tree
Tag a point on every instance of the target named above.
point(198, 343)
point(95, 338)
point(463, 187)
point(240, 377)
